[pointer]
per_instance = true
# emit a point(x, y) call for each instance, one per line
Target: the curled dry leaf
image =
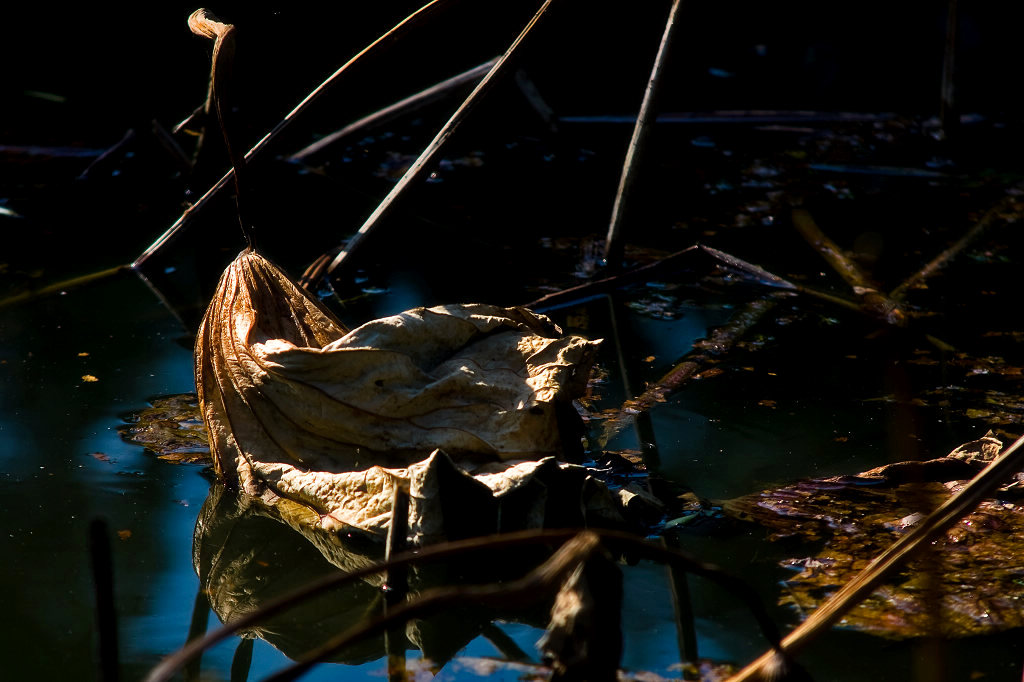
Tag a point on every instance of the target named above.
point(299, 407)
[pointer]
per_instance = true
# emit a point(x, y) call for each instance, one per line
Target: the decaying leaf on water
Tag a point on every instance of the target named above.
point(298, 407)
point(171, 427)
point(977, 567)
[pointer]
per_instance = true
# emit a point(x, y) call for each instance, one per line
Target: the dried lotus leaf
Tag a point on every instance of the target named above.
point(292, 399)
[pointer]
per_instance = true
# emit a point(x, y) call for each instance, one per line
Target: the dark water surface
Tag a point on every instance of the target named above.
point(814, 392)
point(64, 464)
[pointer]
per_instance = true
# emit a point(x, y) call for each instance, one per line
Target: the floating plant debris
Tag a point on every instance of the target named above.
point(463, 406)
point(969, 582)
point(172, 428)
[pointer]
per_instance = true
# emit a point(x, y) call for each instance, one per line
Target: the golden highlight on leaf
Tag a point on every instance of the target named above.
point(299, 407)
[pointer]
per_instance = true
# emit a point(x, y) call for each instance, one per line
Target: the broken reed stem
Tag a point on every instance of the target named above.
point(63, 286)
point(109, 153)
point(639, 547)
point(865, 582)
point(241, 661)
point(719, 341)
point(222, 65)
point(196, 629)
point(396, 580)
point(1006, 209)
point(829, 250)
point(193, 210)
point(587, 290)
point(874, 303)
point(422, 164)
point(682, 607)
point(613, 245)
point(762, 276)
point(642, 422)
point(403, 106)
point(600, 286)
point(531, 92)
point(505, 645)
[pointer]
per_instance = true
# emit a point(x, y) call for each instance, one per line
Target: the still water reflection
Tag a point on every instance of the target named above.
point(62, 463)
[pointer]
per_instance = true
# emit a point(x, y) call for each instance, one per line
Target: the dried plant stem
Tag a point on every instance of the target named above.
point(720, 340)
point(613, 245)
point(642, 423)
point(403, 106)
point(1006, 210)
point(851, 594)
point(197, 628)
point(203, 24)
point(397, 580)
point(599, 286)
point(193, 210)
point(874, 303)
point(63, 285)
point(425, 160)
point(241, 661)
point(587, 290)
point(532, 94)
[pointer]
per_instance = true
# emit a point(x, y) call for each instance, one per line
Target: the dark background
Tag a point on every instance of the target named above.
point(116, 65)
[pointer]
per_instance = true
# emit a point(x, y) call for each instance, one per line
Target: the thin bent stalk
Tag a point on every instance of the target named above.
point(721, 339)
point(853, 592)
point(599, 286)
point(193, 210)
point(613, 246)
point(1004, 210)
point(875, 303)
point(758, 274)
point(62, 286)
point(224, 35)
point(422, 164)
point(403, 106)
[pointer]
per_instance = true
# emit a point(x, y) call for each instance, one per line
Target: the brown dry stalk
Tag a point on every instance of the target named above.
point(1007, 210)
point(613, 246)
point(203, 24)
point(402, 106)
point(377, 44)
point(719, 341)
point(874, 303)
point(425, 160)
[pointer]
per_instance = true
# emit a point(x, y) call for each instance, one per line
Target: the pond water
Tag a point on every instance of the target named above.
point(64, 464)
point(812, 391)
